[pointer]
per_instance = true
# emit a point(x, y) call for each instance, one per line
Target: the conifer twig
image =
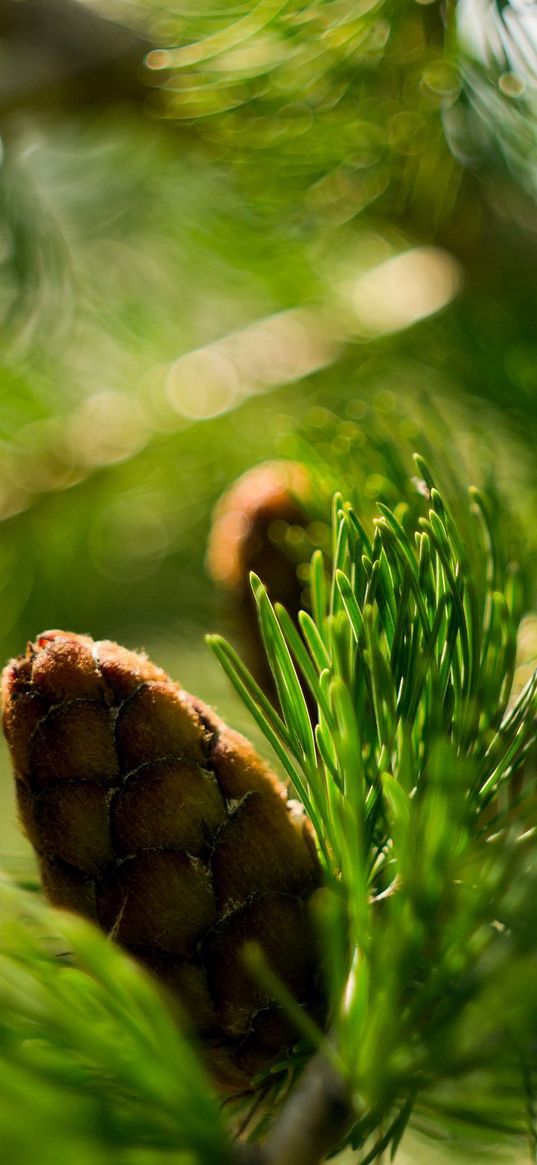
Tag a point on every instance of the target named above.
point(316, 1116)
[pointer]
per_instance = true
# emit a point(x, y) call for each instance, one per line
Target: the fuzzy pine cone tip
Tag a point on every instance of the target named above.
point(152, 817)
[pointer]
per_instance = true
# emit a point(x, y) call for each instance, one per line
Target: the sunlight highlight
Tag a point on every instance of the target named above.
point(276, 350)
point(403, 290)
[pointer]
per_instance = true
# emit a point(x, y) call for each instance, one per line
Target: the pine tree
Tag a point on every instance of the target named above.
point(308, 225)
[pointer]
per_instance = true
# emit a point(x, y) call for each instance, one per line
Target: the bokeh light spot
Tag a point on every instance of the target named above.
point(404, 289)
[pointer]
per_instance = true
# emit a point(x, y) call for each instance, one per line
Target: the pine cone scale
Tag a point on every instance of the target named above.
point(158, 901)
point(179, 801)
point(75, 819)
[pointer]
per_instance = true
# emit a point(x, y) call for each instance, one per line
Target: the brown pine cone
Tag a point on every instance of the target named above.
point(247, 535)
point(153, 818)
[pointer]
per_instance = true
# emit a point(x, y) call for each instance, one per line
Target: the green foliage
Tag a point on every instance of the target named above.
point(499, 65)
point(93, 1067)
point(427, 919)
point(342, 98)
point(409, 779)
point(269, 169)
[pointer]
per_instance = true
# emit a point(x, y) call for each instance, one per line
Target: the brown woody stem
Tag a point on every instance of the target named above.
point(313, 1120)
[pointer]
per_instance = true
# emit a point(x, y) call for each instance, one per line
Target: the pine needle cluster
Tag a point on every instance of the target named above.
point(409, 777)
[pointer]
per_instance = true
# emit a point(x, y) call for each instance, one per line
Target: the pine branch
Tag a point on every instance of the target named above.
point(411, 660)
point(427, 916)
point(316, 1117)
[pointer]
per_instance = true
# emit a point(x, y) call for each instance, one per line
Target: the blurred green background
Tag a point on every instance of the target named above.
point(221, 227)
point(228, 229)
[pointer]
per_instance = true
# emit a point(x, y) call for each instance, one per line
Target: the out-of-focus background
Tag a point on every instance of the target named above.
point(225, 231)
point(229, 230)
point(235, 232)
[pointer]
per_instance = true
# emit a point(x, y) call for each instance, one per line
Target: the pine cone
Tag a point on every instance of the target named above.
point(153, 818)
point(247, 535)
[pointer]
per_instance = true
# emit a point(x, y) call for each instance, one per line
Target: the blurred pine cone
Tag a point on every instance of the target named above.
point(248, 534)
point(152, 817)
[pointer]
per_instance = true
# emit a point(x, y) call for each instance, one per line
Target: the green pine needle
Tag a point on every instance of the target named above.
point(87, 1040)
